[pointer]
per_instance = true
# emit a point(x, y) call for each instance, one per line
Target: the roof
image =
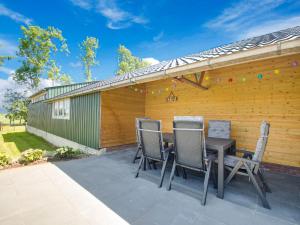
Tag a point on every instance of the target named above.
point(239, 46)
point(67, 87)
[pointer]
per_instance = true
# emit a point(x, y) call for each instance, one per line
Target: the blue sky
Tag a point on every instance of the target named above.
point(160, 30)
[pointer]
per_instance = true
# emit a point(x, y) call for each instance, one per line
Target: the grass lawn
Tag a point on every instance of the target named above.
point(6, 120)
point(14, 140)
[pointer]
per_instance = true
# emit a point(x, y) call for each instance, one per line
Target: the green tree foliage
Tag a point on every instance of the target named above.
point(127, 62)
point(88, 55)
point(16, 105)
point(55, 74)
point(37, 47)
point(3, 58)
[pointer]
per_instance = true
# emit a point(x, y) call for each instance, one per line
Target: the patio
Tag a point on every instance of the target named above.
point(102, 190)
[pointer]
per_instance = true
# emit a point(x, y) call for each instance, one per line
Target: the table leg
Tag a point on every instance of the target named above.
point(220, 193)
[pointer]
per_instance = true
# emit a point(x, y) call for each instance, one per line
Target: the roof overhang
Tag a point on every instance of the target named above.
point(265, 52)
point(40, 92)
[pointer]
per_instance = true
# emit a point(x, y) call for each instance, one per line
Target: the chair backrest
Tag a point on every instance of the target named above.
point(151, 138)
point(219, 129)
point(189, 141)
point(262, 141)
point(137, 120)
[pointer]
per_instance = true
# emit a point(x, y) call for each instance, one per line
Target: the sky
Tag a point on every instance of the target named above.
point(152, 30)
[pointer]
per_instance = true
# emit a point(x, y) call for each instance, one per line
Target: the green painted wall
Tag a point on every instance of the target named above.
point(58, 90)
point(83, 126)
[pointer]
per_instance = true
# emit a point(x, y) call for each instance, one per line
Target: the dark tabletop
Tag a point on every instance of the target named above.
point(211, 143)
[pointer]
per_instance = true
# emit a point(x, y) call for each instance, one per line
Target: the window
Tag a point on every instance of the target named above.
point(61, 109)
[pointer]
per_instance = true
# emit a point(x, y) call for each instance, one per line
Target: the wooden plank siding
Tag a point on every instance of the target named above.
point(275, 98)
point(119, 108)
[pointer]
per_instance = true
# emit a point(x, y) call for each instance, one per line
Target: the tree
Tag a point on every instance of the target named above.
point(127, 62)
point(55, 74)
point(88, 56)
point(16, 105)
point(37, 47)
point(3, 58)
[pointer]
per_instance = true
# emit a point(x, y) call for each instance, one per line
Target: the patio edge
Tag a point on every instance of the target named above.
point(60, 142)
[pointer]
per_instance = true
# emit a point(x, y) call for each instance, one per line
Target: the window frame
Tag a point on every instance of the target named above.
point(61, 109)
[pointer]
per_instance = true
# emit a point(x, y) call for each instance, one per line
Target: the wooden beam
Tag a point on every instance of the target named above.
point(190, 82)
point(199, 77)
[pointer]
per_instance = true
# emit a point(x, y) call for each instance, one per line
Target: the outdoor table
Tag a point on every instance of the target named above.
point(216, 144)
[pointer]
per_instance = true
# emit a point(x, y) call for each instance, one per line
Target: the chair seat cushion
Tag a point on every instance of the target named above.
point(231, 162)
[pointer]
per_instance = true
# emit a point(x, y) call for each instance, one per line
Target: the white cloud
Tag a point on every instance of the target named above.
point(6, 70)
point(84, 4)
point(271, 26)
point(243, 14)
point(151, 60)
point(7, 48)
point(17, 17)
point(159, 36)
point(117, 18)
point(75, 64)
point(9, 83)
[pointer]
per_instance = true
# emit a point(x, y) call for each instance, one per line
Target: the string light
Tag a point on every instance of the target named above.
point(295, 63)
point(259, 76)
point(276, 71)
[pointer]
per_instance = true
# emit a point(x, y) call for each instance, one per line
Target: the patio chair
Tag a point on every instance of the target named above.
point(138, 141)
point(189, 148)
point(152, 145)
point(219, 129)
point(249, 165)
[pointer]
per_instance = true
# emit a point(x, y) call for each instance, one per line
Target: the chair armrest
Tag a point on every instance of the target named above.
point(168, 149)
point(211, 157)
point(243, 159)
point(243, 150)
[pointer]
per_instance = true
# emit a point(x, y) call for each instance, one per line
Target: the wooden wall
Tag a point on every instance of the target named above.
point(275, 98)
point(119, 108)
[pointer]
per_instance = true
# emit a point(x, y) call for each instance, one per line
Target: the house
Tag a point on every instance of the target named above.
point(245, 82)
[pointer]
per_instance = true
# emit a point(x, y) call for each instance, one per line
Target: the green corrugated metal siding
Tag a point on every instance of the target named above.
point(83, 125)
point(54, 91)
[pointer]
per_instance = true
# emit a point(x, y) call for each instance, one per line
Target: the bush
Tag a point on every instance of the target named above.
point(4, 160)
point(67, 153)
point(31, 155)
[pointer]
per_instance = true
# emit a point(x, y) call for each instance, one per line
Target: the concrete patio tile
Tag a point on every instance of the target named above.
point(59, 213)
point(103, 190)
point(8, 202)
point(5, 178)
point(12, 220)
point(20, 175)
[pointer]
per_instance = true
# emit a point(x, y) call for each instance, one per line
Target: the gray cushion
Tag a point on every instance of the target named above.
point(262, 141)
point(219, 129)
point(151, 138)
point(189, 141)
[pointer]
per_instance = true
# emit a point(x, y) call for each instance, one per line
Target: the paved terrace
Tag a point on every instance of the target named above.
point(102, 190)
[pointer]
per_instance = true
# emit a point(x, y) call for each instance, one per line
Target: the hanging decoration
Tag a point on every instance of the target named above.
point(259, 76)
point(174, 82)
point(295, 63)
point(172, 97)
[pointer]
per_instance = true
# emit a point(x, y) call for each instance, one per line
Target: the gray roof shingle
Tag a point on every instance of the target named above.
point(243, 45)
